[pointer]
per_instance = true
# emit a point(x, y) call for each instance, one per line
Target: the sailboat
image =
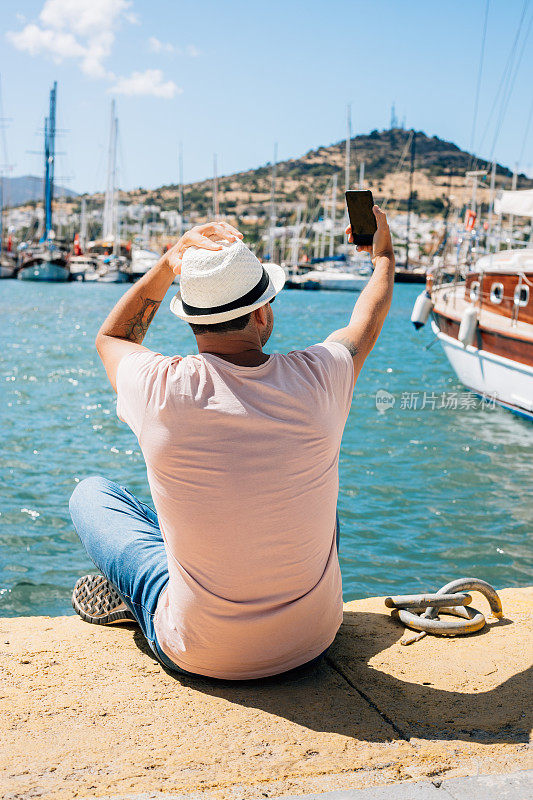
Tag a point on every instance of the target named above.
point(113, 267)
point(8, 262)
point(46, 261)
point(485, 321)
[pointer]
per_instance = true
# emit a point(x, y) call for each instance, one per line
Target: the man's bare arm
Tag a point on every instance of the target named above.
point(372, 306)
point(125, 327)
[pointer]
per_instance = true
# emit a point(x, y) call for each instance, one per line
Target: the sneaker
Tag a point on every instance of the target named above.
point(97, 601)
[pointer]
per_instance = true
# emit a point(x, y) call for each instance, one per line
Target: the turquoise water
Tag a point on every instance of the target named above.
point(427, 494)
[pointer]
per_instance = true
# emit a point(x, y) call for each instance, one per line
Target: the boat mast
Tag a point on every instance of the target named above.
point(109, 222)
point(295, 244)
point(348, 143)
point(49, 162)
point(83, 224)
point(410, 199)
point(332, 216)
point(491, 202)
point(215, 187)
point(347, 159)
point(271, 232)
point(180, 191)
point(361, 174)
point(511, 216)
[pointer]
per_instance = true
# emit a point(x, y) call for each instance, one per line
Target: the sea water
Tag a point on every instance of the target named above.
point(434, 484)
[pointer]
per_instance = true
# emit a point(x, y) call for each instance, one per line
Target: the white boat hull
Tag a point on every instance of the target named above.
point(142, 261)
point(507, 382)
point(113, 276)
point(338, 282)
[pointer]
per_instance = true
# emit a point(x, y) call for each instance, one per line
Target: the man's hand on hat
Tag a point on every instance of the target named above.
point(209, 236)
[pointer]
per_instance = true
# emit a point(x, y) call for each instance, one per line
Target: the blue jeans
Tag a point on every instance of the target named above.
point(122, 537)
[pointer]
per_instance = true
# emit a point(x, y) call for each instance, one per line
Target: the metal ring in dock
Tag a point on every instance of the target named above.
point(420, 612)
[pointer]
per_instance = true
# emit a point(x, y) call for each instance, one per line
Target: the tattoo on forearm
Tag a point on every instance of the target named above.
point(352, 349)
point(136, 327)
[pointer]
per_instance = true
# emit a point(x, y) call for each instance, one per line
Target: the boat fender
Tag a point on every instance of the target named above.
point(468, 326)
point(421, 309)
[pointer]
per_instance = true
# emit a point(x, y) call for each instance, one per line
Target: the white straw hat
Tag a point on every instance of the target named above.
point(219, 285)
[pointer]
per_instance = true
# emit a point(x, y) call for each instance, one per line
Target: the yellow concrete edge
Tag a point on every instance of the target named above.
point(88, 712)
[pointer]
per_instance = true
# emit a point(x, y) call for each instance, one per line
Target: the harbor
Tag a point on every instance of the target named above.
point(266, 281)
point(412, 471)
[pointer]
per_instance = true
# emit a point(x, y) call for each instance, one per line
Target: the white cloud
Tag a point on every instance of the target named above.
point(84, 31)
point(157, 46)
point(35, 40)
point(192, 51)
point(149, 82)
point(74, 29)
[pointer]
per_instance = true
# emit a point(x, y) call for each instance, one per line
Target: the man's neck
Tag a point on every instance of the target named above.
point(236, 349)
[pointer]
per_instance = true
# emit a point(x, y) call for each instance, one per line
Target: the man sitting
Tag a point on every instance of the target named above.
point(237, 575)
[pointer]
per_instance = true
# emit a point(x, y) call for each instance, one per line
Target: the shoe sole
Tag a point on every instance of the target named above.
point(95, 600)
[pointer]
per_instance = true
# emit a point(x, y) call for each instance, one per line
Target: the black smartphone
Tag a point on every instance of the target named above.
point(362, 219)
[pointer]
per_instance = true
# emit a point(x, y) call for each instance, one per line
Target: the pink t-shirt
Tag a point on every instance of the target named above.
point(243, 469)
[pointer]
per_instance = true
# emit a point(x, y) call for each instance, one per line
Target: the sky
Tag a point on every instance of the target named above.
point(233, 78)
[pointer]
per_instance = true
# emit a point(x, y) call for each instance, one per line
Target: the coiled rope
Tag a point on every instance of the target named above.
point(421, 612)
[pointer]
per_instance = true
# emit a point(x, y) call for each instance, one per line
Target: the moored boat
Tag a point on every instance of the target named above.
point(415, 274)
point(44, 264)
point(485, 326)
point(113, 269)
point(8, 265)
point(83, 267)
point(142, 259)
point(329, 278)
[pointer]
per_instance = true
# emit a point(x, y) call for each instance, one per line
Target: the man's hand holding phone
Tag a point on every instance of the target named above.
point(381, 242)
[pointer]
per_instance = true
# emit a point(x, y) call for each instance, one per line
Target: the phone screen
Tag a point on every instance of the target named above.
point(362, 219)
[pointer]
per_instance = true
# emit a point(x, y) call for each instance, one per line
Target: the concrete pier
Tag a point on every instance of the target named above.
point(88, 712)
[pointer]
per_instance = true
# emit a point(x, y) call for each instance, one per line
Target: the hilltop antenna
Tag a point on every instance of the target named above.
point(393, 117)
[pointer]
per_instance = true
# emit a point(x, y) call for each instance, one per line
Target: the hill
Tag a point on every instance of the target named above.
point(439, 183)
point(439, 173)
point(29, 188)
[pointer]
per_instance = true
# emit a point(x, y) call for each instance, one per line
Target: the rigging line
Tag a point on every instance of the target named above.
point(5, 165)
point(505, 102)
point(504, 79)
point(526, 134)
point(399, 167)
point(480, 72)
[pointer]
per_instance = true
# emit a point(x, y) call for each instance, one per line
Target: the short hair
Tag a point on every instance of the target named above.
point(237, 324)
